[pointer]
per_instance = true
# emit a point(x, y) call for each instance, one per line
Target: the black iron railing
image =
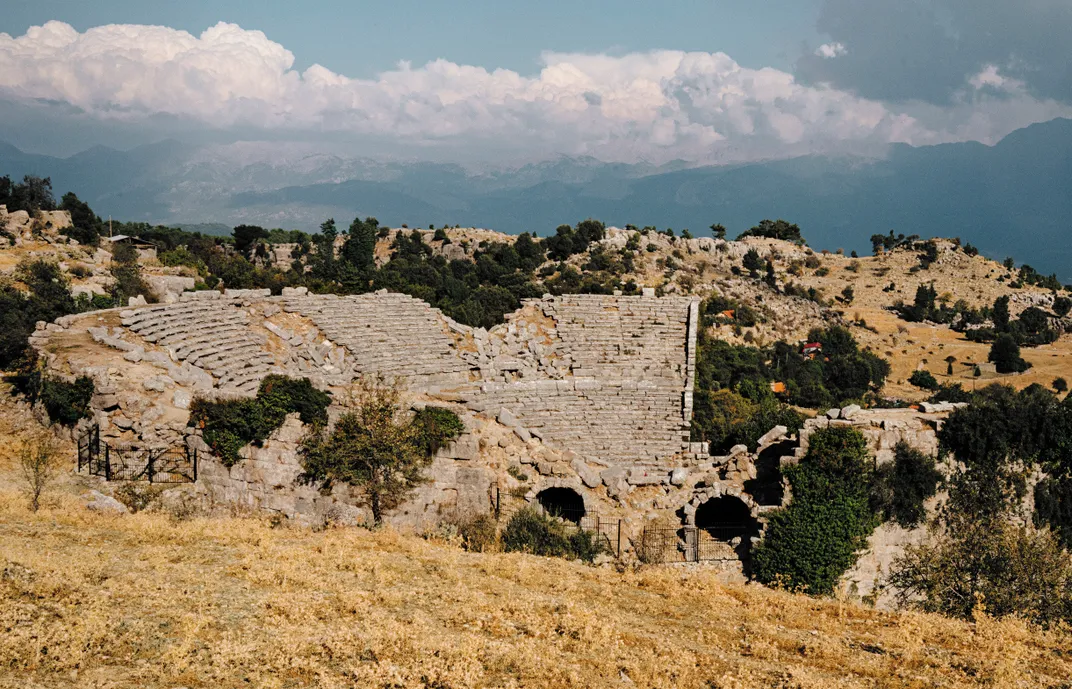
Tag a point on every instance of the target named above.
point(668, 543)
point(117, 463)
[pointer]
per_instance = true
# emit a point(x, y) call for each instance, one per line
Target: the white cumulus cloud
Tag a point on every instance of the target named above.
point(656, 105)
point(831, 50)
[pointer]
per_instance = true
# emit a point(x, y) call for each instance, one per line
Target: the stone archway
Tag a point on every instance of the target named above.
point(563, 493)
point(720, 522)
point(565, 503)
point(725, 518)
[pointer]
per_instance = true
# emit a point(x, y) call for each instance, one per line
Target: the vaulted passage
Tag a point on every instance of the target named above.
point(564, 503)
point(725, 518)
point(766, 487)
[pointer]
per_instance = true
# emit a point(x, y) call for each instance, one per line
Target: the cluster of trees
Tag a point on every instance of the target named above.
point(734, 401)
point(928, 307)
point(48, 297)
point(980, 552)
point(775, 229)
point(34, 194)
point(885, 243)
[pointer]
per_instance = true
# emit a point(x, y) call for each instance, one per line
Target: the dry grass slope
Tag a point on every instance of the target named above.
point(89, 600)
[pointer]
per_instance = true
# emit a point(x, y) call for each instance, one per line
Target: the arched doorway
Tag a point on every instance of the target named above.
point(725, 518)
point(564, 503)
point(724, 530)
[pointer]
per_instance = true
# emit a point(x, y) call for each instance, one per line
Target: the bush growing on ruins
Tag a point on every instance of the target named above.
point(66, 403)
point(901, 486)
point(373, 448)
point(923, 379)
point(436, 426)
point(533, 532)
point(181, 256)
point(725, 418)
point(127, 274)
point(480, 534)
point(813, 541)
point(229, 425)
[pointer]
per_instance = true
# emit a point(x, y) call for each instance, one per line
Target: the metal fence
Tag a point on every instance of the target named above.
point(166, 465)
point(666, 544)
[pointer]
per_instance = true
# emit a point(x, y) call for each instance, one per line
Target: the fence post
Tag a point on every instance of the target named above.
point(149, 465)
point(194, 450)
point(107, 462)
point(619, 538)
point(498, 504)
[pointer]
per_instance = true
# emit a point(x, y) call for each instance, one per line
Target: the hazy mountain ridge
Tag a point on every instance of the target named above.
point(992, 196)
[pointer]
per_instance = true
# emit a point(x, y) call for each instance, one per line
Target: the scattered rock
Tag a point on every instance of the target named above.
point(99, 502)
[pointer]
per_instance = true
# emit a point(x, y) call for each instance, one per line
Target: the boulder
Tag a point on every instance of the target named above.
point(99, 502)
point(850, 411)
point(773, 435)
point(589, 476)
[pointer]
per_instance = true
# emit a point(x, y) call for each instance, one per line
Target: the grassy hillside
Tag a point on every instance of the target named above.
point(146, 601)
point(93, 600)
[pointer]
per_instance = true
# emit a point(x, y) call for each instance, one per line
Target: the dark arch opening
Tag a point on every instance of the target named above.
point(766, 488)
point(564, 503)
point(725, 518)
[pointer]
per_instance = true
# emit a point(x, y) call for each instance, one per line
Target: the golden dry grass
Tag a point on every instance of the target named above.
point(92, 600)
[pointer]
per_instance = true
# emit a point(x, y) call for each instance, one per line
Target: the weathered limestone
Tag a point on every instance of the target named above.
point(883, 429)
point(387, 334)
point(210, 333)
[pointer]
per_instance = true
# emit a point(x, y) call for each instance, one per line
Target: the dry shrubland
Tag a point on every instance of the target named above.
point(145, 600)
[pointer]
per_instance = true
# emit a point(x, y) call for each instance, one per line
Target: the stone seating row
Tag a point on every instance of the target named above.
point(211, 334)
point(387, 333)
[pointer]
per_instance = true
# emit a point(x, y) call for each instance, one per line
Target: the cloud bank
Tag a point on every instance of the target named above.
point(657, 105)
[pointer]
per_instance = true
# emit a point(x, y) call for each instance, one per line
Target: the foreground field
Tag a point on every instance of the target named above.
point(92, 600)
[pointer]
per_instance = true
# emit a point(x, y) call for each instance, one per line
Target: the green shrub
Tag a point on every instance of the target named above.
point(1010, 569)
point(1053, 506)
point(65, 402)
point(230, 425)
point(282, 395)
point(813, 541)
point(585, 545)
point(901, 486)
point(480, 534)
point(437, 426)
point(531, 531)
point(923, 379)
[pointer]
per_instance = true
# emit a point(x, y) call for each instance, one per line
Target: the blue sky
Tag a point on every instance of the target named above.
point(707, 82)
point(360, 39)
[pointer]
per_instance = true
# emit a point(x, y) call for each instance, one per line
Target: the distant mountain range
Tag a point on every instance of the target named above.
point(1010, 199)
